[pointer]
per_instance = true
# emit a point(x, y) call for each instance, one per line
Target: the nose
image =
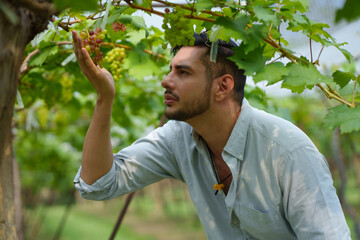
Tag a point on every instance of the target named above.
point(167, 82)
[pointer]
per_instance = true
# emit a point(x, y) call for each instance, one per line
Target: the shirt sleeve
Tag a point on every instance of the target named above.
point(310, 201)
point(148, 160)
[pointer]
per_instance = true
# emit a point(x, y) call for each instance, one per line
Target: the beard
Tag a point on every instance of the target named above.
point(191, 109)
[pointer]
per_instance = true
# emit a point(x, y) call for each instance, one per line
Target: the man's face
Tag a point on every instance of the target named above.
point(187, 93)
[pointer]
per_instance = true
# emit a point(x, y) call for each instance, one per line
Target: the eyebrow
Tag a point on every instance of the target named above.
point(182, 66)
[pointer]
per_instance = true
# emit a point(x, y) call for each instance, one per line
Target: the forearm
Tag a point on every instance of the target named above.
point(97, 155)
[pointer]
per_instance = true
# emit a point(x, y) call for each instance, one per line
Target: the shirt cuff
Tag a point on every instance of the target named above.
point(98, 186)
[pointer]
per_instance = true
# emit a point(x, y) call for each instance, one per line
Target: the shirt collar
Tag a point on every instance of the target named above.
point(235, 145)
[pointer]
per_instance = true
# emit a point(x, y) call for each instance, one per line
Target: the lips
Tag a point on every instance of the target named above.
point(170, 97)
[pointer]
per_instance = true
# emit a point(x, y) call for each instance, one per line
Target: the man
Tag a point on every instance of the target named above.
point(251, 175)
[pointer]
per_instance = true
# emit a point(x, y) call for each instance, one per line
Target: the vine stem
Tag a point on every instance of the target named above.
point(317, 60)
point(276, 59)
point(334, 96)
point(87, 31)
point(285, 53)
point(277, 9)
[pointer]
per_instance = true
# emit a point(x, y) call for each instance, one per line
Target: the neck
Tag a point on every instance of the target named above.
point(215, 126)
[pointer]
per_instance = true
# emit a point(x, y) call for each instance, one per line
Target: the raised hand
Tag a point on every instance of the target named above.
point(100, 78)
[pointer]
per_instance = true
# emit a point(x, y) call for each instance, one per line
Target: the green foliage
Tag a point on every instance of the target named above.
point(59, 100)
point(349, 12)
point(79, 5)
point(343, 78)
point(298, 72)
point(346, 118)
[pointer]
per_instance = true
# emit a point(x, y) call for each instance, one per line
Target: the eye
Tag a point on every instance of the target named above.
point(182, 72)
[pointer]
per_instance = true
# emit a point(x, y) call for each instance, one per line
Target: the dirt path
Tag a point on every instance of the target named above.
point(162, 228)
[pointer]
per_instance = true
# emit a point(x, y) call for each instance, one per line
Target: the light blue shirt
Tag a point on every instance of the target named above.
point(281, 189)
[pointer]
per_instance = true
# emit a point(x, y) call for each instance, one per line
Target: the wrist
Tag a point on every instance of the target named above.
point(101, 99)
point(104, 102)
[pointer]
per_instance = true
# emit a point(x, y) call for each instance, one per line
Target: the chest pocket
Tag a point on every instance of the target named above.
point(263, 225)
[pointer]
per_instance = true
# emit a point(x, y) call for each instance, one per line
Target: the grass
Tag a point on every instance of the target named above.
point(82, 225)
point(147, 218)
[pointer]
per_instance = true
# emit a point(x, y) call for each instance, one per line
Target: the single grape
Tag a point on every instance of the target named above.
point(104, 31)
point(98, 41)
point(88, 48)
point(101, 36)
point(92, 43)
point(86, 41)
point(83, 34)
point(167, 10)
point(98, 30)
point(91, 33)
point(91, 38)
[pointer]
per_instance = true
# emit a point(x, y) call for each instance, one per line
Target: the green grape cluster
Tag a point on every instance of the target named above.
point(92, 41)
point(115, 58)
point(180, 31)
point(66, 91)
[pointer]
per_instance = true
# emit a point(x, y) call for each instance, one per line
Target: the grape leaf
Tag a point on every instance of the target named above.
point(300, 5)
point(203, 5)
point(342, 78)
point(268, 17)
point(272, 73)
point(303, 76)
point(234, 27)
point(332, 42)
point(140, 66)
point(251, 62)
point(40, 58)
point(136, 36)
point(344, 117)
point(349, 12)
point(139, 23)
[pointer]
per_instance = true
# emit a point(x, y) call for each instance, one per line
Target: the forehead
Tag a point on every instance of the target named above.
point(190, 56)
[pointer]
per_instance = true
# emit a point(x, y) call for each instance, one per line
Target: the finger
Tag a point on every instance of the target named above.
point(79, 50)
point(88, 62)
point(76, 44)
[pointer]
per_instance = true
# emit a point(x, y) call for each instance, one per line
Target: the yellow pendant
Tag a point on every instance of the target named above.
point(218, 187)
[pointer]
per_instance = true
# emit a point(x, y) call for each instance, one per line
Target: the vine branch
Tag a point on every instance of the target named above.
point(331, 95)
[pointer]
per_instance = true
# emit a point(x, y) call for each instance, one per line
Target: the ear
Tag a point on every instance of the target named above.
point(223, 86)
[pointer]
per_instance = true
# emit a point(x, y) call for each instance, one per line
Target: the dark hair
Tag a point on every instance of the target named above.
point(223, 65)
